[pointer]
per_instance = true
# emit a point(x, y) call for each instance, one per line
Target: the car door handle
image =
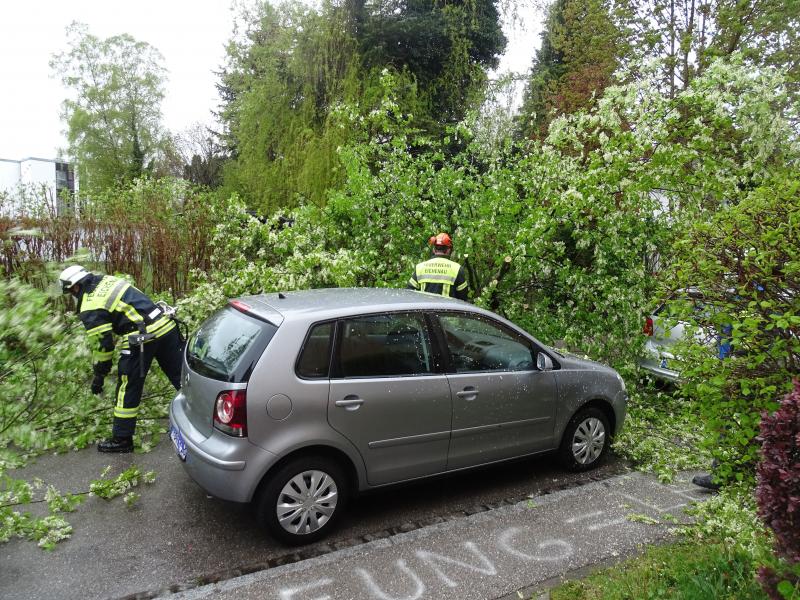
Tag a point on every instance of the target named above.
point(470, 393)
point(350, 402)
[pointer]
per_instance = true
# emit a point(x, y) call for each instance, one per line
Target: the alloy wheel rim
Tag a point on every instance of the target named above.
point(307, 502)
point(588, 441)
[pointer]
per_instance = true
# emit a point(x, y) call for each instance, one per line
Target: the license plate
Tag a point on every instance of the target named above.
point(177, 441)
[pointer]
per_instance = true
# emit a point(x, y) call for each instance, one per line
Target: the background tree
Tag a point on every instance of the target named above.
point(579, 52)
point(289, 67)
point(690, 34)
point(196, 155)
point(114, 116)
point(446, 46)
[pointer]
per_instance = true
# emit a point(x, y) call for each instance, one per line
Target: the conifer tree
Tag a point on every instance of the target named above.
point(579, 52)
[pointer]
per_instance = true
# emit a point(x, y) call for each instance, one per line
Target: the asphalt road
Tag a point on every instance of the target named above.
point(176, 537)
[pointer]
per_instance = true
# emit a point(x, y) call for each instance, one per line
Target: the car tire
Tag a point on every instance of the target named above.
point(310, 493)
point(586, 440)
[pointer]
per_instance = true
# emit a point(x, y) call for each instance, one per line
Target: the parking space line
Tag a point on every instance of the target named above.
point(605, 524)
point(646, 504)
point(686, 494)
point(582, 517)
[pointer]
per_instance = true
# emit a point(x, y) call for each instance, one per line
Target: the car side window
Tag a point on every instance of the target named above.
point(315, 357)
point(479, 344)
point(385, 345)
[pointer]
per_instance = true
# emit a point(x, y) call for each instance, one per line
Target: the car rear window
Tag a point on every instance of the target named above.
point(228, 344)
point(315, 356)
point(692, 299)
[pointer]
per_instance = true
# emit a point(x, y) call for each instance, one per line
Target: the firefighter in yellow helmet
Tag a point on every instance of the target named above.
point(440, 275)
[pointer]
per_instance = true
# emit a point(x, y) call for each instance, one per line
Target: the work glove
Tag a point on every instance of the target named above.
point(97, 384)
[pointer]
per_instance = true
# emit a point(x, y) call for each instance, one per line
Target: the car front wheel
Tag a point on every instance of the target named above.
point(586, 440)
point(303, 500)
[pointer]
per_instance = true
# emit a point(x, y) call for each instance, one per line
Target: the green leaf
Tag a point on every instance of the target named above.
point(786, 589)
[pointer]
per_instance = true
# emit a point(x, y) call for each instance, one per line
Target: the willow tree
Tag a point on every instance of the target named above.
point(292, 66)
point(286, 70)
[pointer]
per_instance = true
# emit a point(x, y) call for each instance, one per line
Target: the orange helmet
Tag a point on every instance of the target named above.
point(441, 240)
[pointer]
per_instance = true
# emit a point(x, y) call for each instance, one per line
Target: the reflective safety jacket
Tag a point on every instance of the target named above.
point(109, 306)
point(440, 275)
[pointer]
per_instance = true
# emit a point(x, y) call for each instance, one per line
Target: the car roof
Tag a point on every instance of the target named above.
point(321, 304)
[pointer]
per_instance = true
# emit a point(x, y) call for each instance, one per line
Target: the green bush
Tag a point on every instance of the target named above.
point(745, 260)
point(45, 371)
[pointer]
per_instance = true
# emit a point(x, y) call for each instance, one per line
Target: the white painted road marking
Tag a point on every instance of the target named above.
point(377, 592)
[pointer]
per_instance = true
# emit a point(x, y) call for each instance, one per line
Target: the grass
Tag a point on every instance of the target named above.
point(686, 571)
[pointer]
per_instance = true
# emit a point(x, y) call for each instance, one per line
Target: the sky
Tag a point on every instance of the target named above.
point(190, 34)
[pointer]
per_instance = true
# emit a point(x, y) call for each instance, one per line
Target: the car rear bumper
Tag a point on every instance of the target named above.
point(659, 372)
point(226, 467)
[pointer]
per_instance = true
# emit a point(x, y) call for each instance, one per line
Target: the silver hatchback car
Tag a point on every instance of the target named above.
point(298, 400)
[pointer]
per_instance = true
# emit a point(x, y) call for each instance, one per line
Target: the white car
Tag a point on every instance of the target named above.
point(663, 332)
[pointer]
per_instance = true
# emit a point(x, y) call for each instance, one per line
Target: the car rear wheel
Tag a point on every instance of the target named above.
point(586, 440)
point(303, 500)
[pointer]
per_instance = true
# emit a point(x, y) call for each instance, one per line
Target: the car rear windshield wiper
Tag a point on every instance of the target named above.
point(209, 363)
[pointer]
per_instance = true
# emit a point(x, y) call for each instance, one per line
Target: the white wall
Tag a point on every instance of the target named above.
point(38, 172)
point(9, 184)
point(28, 175)
point(9, 175)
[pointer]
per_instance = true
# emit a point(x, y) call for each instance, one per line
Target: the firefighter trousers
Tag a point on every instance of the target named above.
point(167, 350)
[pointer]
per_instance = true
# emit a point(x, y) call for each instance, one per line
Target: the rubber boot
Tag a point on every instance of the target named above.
point(116, 444)
point(705, 481)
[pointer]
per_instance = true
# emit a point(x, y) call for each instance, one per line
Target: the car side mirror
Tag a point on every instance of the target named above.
point(543, 362)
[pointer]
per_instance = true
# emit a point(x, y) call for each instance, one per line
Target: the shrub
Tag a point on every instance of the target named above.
point(778, 490)
point(35, 228)
point(45, 369)
point(745, 259)
point(154, 231)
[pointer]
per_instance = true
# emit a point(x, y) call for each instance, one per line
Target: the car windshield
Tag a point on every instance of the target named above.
point(228, 344)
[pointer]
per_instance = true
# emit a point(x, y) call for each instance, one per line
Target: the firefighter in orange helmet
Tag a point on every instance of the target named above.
point(439, 274)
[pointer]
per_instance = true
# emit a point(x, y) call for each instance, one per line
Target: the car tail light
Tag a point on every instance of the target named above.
point(230, 412)
point(648, 326)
